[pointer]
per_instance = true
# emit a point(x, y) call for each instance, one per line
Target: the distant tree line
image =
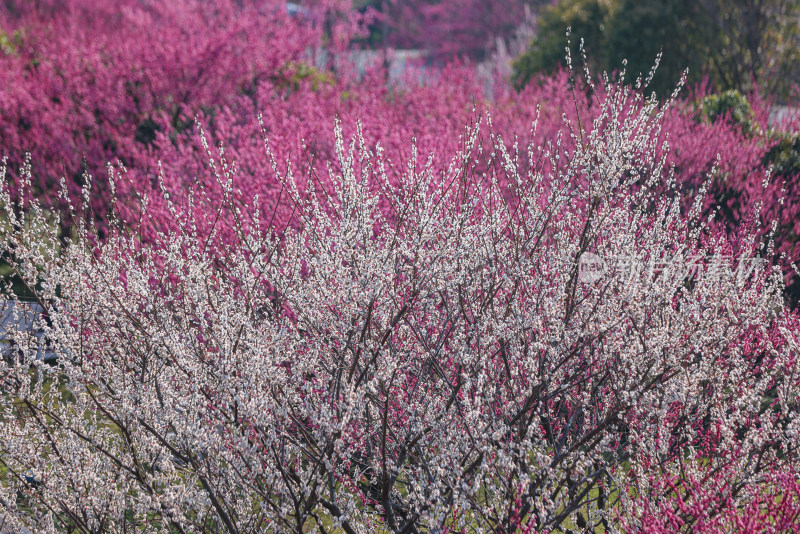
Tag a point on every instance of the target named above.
point(738, 44)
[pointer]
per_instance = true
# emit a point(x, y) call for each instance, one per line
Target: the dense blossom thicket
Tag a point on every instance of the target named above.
point(87, 83)
point(462, 309)
point(425, 348)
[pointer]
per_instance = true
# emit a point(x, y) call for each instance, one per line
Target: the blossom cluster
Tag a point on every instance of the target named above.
point(461, 309)
point(415, 352)
point(86, 83)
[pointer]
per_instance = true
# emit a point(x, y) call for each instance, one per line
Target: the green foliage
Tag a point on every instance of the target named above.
point(614, 30)
point(732, 106)
point(753, 41)
point(641, 30)
point(784, 156)
point(734, 42)
point(295, 73)
point(6, 47)
point(10, 42)
point(589, 21)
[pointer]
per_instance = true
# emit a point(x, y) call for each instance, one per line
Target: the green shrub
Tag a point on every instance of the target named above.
point(732, 106)
point(588, 20)
point(640, 31)
point(614, 30)
point(784, 156)
point(732, 42)
point(9, 42)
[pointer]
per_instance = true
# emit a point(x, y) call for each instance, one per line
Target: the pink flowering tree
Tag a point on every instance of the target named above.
point(520, 339)
point(85, 83)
